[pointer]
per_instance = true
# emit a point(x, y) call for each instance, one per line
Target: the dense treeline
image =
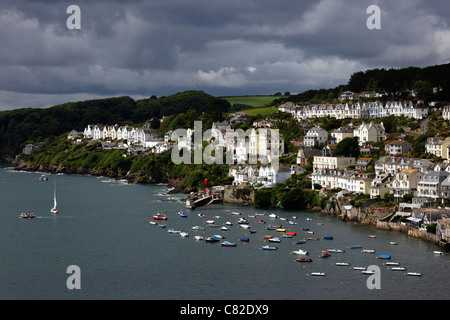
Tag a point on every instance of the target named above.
point(19, 126)
point(392, 81)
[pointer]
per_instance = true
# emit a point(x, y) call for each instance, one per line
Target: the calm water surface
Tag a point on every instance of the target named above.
point(103, 227)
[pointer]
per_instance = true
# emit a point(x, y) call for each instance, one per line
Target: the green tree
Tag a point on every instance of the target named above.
point(348, 147)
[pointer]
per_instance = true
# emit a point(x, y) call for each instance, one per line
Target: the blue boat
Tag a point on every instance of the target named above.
point(327, 237)
point(384, 256)
point(269, 248)
point(252, 231)
point(212, 239)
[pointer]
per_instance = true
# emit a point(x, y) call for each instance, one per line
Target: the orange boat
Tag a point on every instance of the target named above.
point(268, 236)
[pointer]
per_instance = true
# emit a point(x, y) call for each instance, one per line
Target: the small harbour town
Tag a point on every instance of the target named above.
point(383, 164)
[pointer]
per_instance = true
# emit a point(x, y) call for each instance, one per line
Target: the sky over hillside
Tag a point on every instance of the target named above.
point(223, 47)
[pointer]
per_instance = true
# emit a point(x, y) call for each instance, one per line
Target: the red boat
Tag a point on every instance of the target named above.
point(325, 254)
point(159, 216)
point(228, 244)
point(25, 215)
point(303, 260)
point(292, 233)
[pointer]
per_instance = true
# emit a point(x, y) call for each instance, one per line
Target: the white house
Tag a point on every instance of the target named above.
point(370, 132)
point(315, 136)
point(88, 132)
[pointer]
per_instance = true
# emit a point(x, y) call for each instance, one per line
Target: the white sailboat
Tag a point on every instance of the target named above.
point(54, 210)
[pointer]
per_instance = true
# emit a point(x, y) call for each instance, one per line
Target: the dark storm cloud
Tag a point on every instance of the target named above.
point(223, 47)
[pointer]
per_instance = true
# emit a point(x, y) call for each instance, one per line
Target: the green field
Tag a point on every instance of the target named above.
point(253, 101)
point(262, 111)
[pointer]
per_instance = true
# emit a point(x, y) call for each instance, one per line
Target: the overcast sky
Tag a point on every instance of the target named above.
point(223, 47)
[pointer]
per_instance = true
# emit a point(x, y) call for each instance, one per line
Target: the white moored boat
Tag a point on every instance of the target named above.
point(300, 252)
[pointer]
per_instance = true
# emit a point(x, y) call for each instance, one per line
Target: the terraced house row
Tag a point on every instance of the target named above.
point(359, 110)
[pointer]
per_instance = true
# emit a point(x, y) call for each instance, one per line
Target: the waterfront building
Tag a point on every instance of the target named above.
point(430, 185)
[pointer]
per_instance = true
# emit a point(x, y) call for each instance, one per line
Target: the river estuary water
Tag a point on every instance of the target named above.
point(103, 228)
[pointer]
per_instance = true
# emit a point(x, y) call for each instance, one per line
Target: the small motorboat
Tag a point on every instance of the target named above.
point(198, 228)
point(398, 268)
point(27, 215)
point(152, 222)
point(368, 251)
point(235, 213)
point(438, 252)
point(243, 221)
point(280, 230)
point(300, 241)
point(183, 214)
point(43, 178)
point(269, 248)
point(162, 226)
point(383, 256)
point(372, 236)
point(274, 216)
point(392, 263)
point(228, 223)
point(393, 243)
point(245, 226)
point(224, 229)
point(325, 254)
point(336, 250)
point(261, 221)
point(244, 239)
point(286, 235)
point(310, 238)
point(184, 234)
point(359, 268)
point(274, 240)
point(319, 274)
point(228, 244)
point(199, 238)
point(356, 246)
point(267, 236)
point(300, 252)
point(219, 236)
point(211, 239)
point(416, 274)
point(173, 231)
point(341, 264)
point(252, 231)
point(159, 216)
point(367, 272)
point(303, 260)
point(327, 237)
point(209, 221)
